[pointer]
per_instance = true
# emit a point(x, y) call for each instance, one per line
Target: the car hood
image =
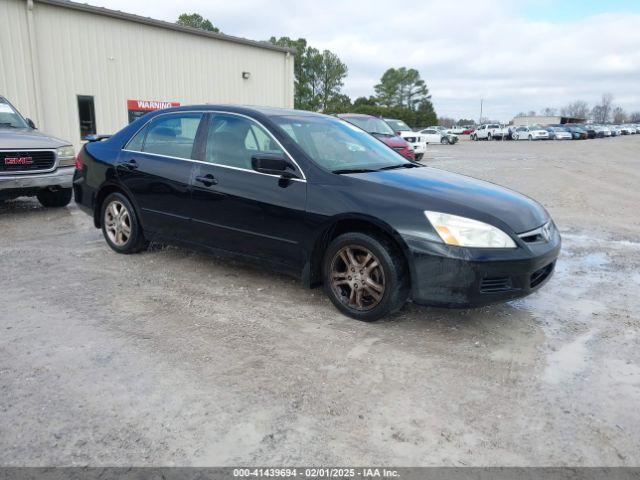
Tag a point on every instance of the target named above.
point(448, 192)
point(25, 138)
point(393, 142)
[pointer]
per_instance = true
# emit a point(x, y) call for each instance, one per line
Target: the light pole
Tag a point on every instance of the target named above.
point(480, 119)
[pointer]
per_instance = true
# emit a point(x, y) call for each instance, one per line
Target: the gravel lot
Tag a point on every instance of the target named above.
point(176, 358)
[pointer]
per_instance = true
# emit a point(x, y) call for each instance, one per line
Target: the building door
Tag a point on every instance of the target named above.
point(87, 116)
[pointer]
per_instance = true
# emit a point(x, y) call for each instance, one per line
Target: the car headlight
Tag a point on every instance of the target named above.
point(465, 232)
point(66, 156)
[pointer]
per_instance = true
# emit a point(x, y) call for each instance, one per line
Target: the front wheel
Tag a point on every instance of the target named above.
point(515, 136)
point(55, 198)
point(365, 276)
point(443, 140)
point(120, 225)
point(530, 137)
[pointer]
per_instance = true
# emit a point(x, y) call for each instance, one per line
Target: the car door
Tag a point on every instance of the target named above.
point(240, 210)
point(155, 167)
point(431, 135)
point(522, 133)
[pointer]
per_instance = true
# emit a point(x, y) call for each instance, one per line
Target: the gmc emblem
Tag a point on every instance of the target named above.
point(18, 160)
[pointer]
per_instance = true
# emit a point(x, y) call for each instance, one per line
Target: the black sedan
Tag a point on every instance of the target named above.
point(319, 198)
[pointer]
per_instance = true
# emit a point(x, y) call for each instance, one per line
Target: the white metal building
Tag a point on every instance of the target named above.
point(76, 69)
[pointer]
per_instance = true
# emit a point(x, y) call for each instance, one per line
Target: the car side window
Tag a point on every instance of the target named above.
point(135, 144)
point(172, 135)
point(233, 140)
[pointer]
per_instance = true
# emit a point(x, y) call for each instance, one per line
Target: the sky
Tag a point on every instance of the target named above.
point(516, 55)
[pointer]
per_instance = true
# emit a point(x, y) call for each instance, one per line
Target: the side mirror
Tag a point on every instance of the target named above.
point(31, 124)
point(273, 165)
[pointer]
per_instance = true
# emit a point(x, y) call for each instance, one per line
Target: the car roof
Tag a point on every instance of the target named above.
point(354, 115)
point(245, 109)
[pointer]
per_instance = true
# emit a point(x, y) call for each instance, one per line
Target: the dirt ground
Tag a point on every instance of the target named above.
point(175, 358)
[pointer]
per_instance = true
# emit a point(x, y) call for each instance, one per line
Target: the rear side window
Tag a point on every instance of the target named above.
point(171, 135)
point(233, 140)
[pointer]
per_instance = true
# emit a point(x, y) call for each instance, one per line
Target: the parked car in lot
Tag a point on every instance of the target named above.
point(468, 130)
point(530, 133)
point(606, 132)
point(577, 133)
point(432, 135)
point(33, 163)
point(382, 131)
point(417, 141)
point(591, 130)
point(490, 131)
point(314, 196)
point(558, 133)
point(627, 130)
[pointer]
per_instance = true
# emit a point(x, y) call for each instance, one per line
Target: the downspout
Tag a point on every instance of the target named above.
point(35, 70)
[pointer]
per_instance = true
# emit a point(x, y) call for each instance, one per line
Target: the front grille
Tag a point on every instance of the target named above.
point(495, 284)
point(541, 275)
point(26, 161)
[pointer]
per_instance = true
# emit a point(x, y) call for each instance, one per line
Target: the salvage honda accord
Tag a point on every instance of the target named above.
point(317, 197)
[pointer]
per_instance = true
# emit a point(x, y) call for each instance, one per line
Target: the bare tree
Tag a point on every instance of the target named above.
point(549, 112)
point(597, 114)
point(607, 104)
point(446, 122)
point(577, 109)
point(634, 117)
point(532, 113)
point(619, 115)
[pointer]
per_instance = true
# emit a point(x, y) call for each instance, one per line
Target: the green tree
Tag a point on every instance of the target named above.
point(195, 20)
point(402, 87)
point(365, 101)
point(388, 90)
point(319, 76)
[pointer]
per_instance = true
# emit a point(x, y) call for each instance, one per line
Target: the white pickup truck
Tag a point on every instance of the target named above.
point(490, 131)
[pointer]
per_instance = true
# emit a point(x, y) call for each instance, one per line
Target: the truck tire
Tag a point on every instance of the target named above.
point(55, 198)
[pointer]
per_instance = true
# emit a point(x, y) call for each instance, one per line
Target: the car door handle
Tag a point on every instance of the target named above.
point(130, 165)
point(207, 180)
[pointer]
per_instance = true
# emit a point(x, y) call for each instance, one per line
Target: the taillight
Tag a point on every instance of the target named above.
point(79, 164)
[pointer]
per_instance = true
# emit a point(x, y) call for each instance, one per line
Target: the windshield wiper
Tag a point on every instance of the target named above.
point(402, 165)
point(7, 124)
point(353, 170)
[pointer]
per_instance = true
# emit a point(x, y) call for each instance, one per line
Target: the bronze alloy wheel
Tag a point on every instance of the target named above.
point(357, 278)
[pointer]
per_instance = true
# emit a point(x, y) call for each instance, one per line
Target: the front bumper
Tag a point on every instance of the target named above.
point(419, 147)
point(446, 276)
point(61, 177)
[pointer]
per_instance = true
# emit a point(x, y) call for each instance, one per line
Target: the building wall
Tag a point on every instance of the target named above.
point(113, 60)
point(536, 120)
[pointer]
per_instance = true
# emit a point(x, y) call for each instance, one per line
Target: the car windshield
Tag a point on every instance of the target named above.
point(372, 125)
point(339, 146)
point(398, 125)
point(9, 118)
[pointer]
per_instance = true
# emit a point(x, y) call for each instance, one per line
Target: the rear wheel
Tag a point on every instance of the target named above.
point(365, 276)
point(55, 198)
point(120, 225)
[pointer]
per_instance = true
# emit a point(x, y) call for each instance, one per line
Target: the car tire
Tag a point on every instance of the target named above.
point(57, 198)
point(474, 138)
point(489, 137)
point(419, 156)
point(530, 138)
point(515, 137)
point(120, 225)
point(444, 141)
point(375, 262)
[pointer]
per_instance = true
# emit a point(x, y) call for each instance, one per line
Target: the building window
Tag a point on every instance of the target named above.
point(87, 115)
